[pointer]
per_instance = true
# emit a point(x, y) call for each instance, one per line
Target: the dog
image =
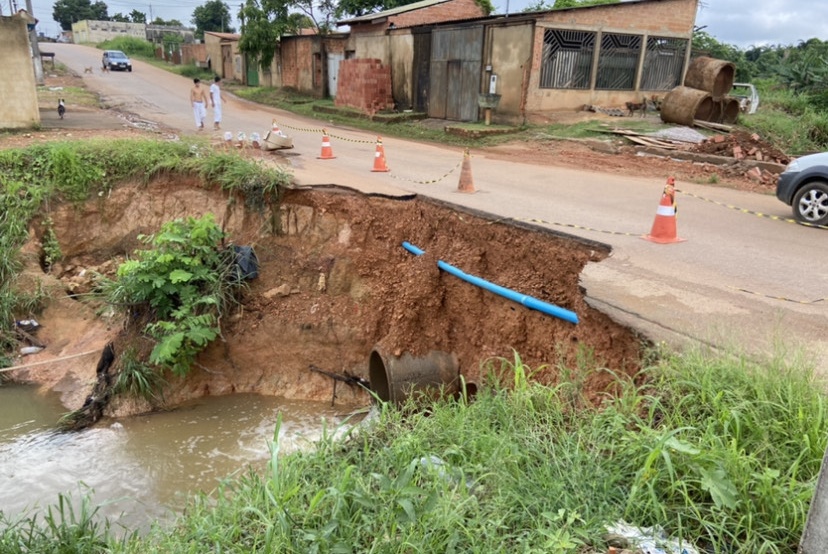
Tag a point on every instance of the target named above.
point(87, 69)
point(61, 108)
point(633, 107)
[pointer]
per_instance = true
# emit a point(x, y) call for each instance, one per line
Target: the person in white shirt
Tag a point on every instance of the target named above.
point(215, 100)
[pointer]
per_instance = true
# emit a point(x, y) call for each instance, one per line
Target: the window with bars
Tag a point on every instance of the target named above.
point(566, 60)
point(663, 63)
point(618, 62)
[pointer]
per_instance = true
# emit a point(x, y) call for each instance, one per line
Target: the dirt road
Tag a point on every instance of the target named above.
point(739, 280)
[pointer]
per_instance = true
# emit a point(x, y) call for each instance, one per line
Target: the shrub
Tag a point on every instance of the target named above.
point(182, 285)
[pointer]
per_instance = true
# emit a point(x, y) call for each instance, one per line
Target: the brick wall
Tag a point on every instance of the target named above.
point(19, 107)
point(290, 70)
point(447, 11)
point(452, 10)
point(364, 84)
point(656, 17)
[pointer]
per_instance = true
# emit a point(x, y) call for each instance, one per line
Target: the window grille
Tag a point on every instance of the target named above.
point(663, 63)
point(566, 61)
point(618, 62)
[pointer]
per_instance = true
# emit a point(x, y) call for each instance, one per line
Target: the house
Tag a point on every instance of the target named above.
point(19, 108)
point(377, 65)
point(224, 56)
point(309, 63)
point(91, 31)
point(532, 63)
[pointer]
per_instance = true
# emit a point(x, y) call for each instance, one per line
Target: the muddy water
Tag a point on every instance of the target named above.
point(142, 468)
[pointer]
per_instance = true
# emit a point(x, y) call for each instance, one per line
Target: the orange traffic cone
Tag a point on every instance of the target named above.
point(379, 157)
point(466, 183)
point(275, 128)
point(327, 151)
point(664, 226)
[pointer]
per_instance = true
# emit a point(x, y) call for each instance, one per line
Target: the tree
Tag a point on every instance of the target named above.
point(168, 22)
point(214, 16)
point(120, 18)
point(66, 12)
point(138, 17)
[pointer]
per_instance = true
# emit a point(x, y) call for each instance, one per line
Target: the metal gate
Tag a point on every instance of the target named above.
point(456, 60)
point(252, 67)
point(333, 72)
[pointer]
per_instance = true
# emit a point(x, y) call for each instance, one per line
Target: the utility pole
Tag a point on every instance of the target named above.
point(151, 18)
point(38, 64)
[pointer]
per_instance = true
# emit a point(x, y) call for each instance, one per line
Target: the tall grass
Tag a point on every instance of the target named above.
point(130, 46)
point(793, 122)
point(720, 452)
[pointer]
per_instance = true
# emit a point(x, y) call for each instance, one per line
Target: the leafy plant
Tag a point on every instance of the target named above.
point(51, 246)
point(182, 285)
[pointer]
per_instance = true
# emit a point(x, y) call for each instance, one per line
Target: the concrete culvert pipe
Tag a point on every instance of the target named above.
point(730, 110)
point(395, 378)
point(683, 104)
point(710, 75)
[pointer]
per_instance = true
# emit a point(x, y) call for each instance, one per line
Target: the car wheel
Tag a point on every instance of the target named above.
point(810, 204)
point(129, 69)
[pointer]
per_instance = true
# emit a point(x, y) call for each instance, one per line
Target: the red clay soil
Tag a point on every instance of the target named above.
point(334, 283)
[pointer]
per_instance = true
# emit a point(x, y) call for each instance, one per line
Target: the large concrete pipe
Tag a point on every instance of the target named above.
point(395, 378)
point(684, 104)
point(730, 110)
point(710, 75)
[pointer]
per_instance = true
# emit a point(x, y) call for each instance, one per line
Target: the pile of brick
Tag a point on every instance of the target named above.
point(742, 146)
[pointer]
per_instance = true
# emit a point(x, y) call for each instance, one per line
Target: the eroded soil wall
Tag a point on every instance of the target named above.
point(334, 283)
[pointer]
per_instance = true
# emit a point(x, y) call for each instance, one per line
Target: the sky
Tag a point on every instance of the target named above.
point(743, 23)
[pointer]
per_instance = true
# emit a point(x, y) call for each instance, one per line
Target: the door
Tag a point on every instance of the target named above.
point(252, 67)
point(422, 58)
point(226, 62)
point(454, 82)
point(333, 72)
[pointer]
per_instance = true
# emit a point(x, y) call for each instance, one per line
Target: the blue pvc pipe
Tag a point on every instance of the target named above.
point(523, 299)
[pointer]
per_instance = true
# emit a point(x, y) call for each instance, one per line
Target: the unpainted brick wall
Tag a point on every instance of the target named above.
point(452, 10)
point(657, 17)
point(364, 84)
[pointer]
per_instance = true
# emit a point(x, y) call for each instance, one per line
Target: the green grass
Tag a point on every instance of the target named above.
point(719, 451)
point(790, 121)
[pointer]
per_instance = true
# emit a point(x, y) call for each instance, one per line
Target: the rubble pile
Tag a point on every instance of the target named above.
point(742, 146)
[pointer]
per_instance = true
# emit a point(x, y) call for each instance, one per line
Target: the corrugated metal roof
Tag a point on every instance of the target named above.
point(393, 11)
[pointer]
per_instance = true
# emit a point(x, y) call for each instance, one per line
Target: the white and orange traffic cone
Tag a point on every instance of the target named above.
point(274, 128)
point(466, 183)
point(327, 151)
point(664, 226)
point(379, 157)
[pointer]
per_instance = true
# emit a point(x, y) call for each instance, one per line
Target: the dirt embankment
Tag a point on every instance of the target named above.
point(334, 282)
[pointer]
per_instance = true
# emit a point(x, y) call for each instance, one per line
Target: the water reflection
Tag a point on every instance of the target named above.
point(140, 468)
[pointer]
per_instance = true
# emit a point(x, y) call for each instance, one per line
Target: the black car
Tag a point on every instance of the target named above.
point(115, 59)
point(804, 186)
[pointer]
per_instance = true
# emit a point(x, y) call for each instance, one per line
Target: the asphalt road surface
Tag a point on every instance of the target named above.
point(738, 283)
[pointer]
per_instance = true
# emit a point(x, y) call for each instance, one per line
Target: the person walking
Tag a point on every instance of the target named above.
point(216, 101)
point(198, 98)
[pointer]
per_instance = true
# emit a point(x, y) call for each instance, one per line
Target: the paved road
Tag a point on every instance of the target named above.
point(720, 287)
